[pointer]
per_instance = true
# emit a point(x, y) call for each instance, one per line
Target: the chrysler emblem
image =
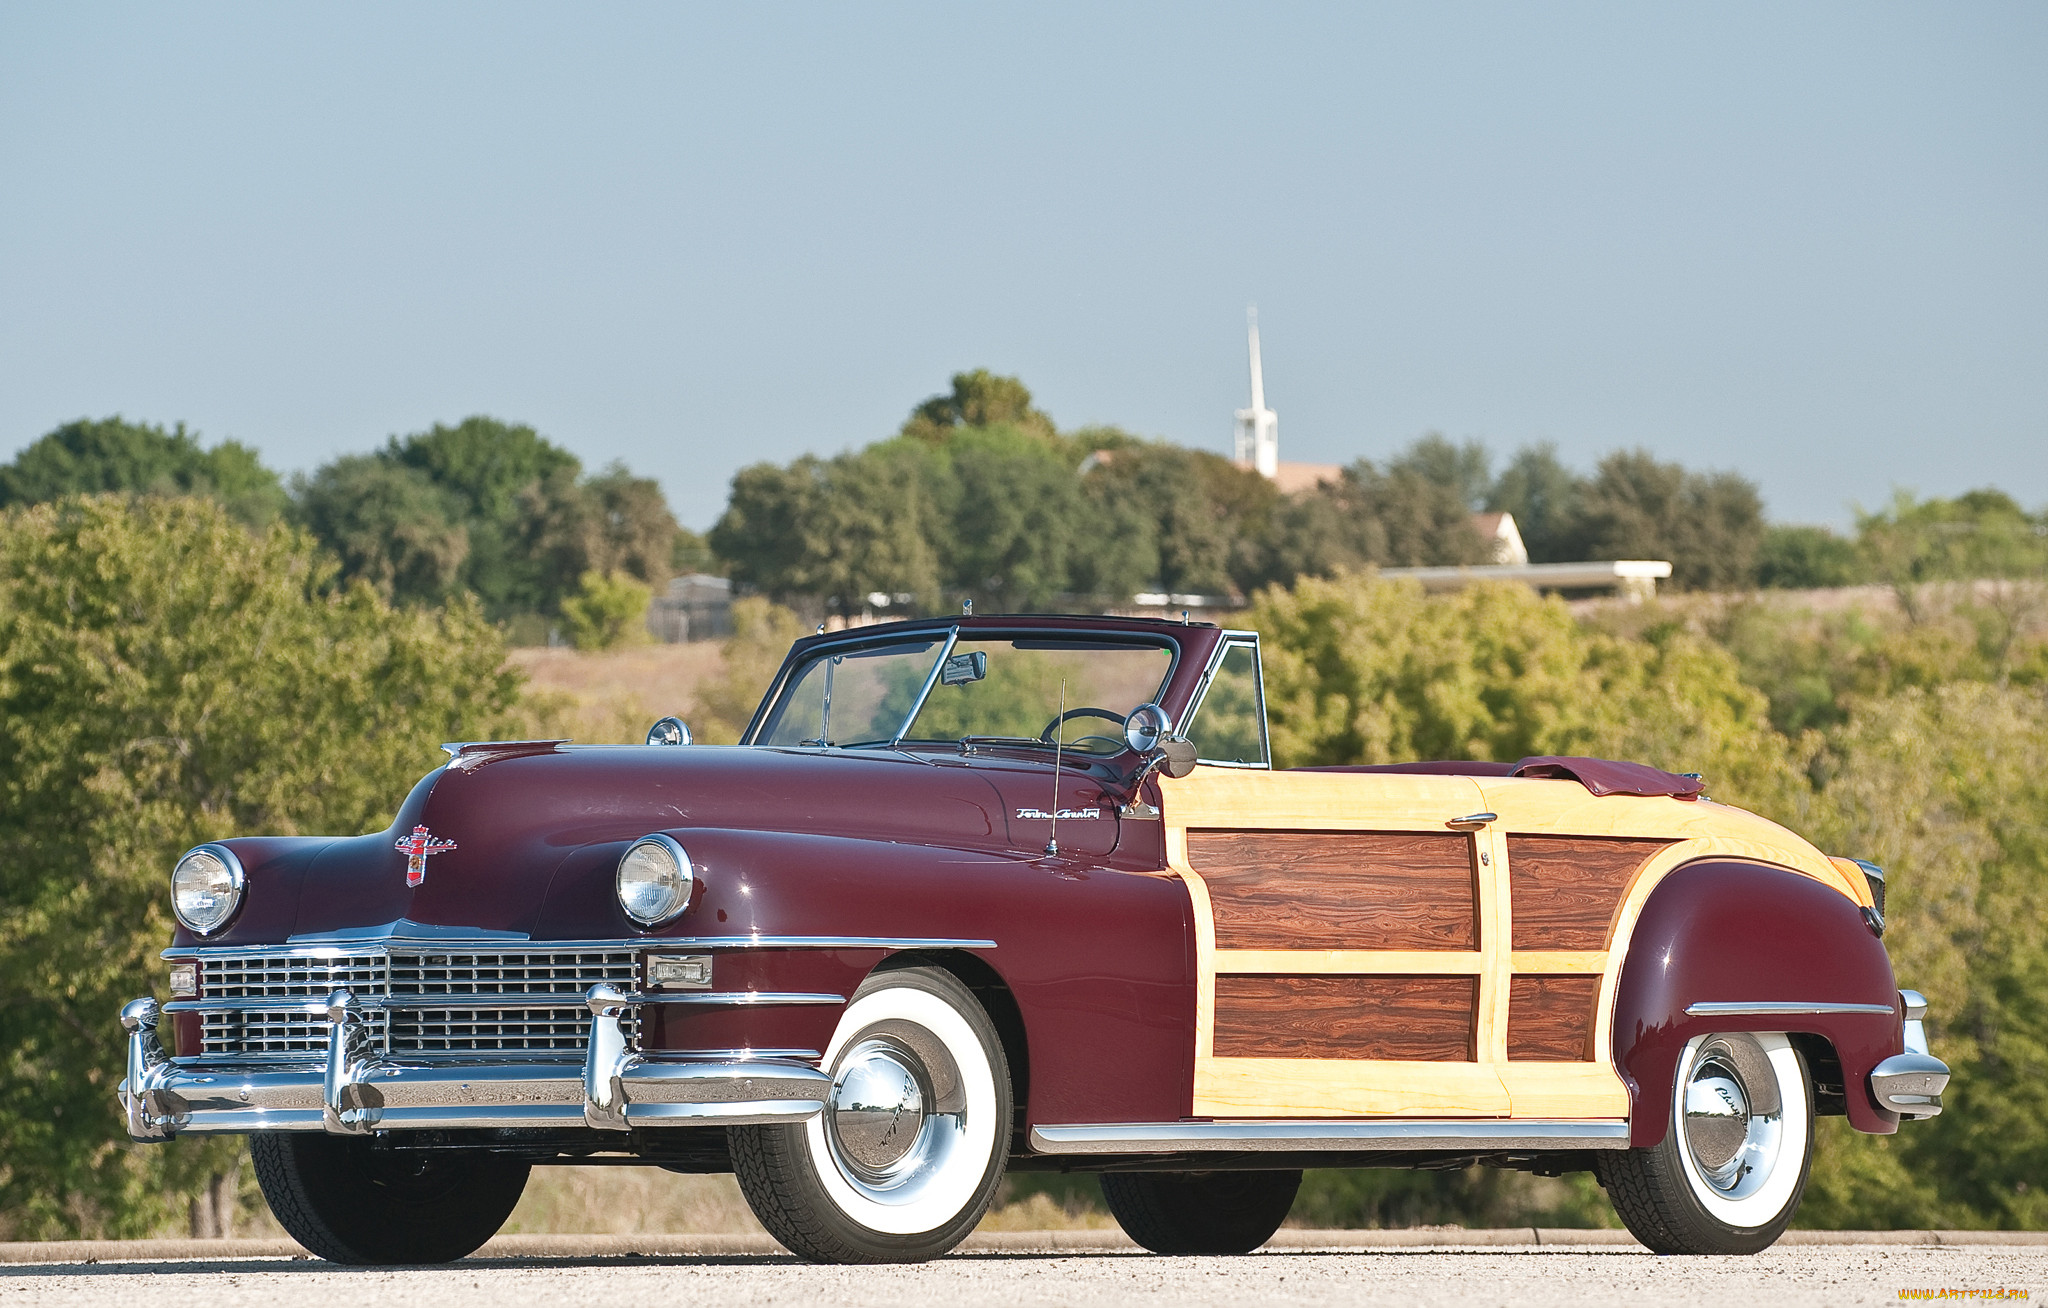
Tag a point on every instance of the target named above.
point(416, 847)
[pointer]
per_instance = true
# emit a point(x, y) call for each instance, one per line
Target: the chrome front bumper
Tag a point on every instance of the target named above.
point(356, 1091)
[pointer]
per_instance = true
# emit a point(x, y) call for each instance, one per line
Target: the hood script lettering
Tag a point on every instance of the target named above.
point(1065, 813)
point(416, 847)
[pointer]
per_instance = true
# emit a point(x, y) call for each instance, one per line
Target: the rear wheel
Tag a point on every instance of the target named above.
point(905, 1157)
point(1729, 1174)
point(1200, 1213)
point(350, 1202)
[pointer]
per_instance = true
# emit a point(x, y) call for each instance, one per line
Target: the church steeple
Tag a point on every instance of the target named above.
point(1258, 428)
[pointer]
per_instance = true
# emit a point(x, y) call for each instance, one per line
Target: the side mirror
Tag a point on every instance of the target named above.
point(1179, 757)
point(669, 731)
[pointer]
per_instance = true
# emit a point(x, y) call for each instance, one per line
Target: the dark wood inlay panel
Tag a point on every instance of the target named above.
point(1550, 1018)
point(1566, 888)
point(1338, 889)
point(1407, 1017)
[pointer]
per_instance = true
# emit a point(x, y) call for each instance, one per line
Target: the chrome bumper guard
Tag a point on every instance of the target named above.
point(356, 1091)
point(1910, 1084)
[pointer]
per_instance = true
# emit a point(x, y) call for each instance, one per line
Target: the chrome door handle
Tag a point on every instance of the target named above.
point(1472, 821)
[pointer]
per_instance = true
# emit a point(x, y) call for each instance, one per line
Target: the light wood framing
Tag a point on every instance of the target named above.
point(1231, 800)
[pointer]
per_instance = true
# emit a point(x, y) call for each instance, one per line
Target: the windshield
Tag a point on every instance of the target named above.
point(995, 690)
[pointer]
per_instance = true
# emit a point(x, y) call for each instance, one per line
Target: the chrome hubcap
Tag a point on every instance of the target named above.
point(877, 1109)
point(1733, 1122)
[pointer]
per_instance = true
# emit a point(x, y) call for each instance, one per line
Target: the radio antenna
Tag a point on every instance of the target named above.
point(1052, 844)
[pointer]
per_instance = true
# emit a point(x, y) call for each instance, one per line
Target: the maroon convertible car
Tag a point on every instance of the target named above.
point(1022, 892)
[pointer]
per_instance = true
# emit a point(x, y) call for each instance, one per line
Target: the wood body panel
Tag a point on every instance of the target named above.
point(1403, 1018)
point(1550, 1018)
point(1568, 888)
point(1563, 1090)
point(1339, 889)
point(1309, 1087)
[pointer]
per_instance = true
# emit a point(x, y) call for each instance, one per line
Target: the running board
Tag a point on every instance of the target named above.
point(1296, 1136)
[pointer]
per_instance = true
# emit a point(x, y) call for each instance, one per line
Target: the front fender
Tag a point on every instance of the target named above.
point(1099, 961)
point(1726, 931)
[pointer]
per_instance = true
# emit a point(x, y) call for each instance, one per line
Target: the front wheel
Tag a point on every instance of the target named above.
point(1730, 1171)
point(350, 1202)
point(905, 1157)
point(1207, 1213)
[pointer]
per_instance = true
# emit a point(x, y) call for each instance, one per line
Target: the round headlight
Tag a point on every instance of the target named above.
point(654, 880)
point(206, 887)
point(1144, 728)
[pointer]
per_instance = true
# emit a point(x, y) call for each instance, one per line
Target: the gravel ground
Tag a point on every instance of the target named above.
point(1813, 1274)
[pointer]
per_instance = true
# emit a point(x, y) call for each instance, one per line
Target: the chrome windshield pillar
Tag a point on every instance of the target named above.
point(604, 1063)
point(349, 1106)
point(147, 1065)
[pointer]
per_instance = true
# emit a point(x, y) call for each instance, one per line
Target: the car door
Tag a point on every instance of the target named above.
point(1350, 943)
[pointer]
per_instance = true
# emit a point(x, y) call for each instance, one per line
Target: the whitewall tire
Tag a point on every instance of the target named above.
point(1731, 1169)
point(905, 1157)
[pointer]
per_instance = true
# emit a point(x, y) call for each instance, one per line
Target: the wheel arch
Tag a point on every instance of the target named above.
point(993, 993)
point(1733, 931)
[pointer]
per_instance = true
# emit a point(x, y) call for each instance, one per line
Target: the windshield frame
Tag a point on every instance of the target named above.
point(802, 656)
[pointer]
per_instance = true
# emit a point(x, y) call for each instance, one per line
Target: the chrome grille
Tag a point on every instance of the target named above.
point(404, 977)
point(510, 973)
point(492, 1030)
point(267, 1032)
point(261, 976)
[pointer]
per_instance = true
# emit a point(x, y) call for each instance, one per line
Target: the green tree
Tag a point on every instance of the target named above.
point(1709, 525)
point(978, 399)
point(1984, 533)
point(1465, 470)
point(608, 611)
point(510, 482)
point(87, 457)
point(1544, 496)
point(1946, 788)
point(1806, 558)
point(1360, 670)
point(168, 678)
point(388, 524)
point(762, 633)
point(838, 529)
point(1369, 517)
point(613, 522)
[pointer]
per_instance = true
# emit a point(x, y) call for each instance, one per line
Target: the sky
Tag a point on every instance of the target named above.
point(1805, 242)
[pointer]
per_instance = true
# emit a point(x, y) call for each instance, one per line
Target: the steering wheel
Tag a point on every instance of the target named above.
point(1052, 727)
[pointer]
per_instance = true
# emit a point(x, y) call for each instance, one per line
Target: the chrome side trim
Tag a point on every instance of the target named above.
point(744, 998)
point(510, 944)
point(1348, 1136)
point(1778, 1008)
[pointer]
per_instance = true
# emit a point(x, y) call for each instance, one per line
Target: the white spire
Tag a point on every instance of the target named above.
point(1258, 428)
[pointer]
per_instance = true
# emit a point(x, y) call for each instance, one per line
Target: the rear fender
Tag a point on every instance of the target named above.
point(1723, 931)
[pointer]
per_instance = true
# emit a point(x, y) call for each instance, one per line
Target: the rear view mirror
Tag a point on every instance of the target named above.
point(963, 668)
point(1179, 756)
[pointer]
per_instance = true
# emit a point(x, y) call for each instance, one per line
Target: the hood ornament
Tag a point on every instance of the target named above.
point(416, 847)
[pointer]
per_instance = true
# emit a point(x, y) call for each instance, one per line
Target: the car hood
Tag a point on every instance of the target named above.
point(504, 827)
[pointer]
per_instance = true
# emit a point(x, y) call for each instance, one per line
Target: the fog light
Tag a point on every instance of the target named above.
point(679, 971)
point(184, 980)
